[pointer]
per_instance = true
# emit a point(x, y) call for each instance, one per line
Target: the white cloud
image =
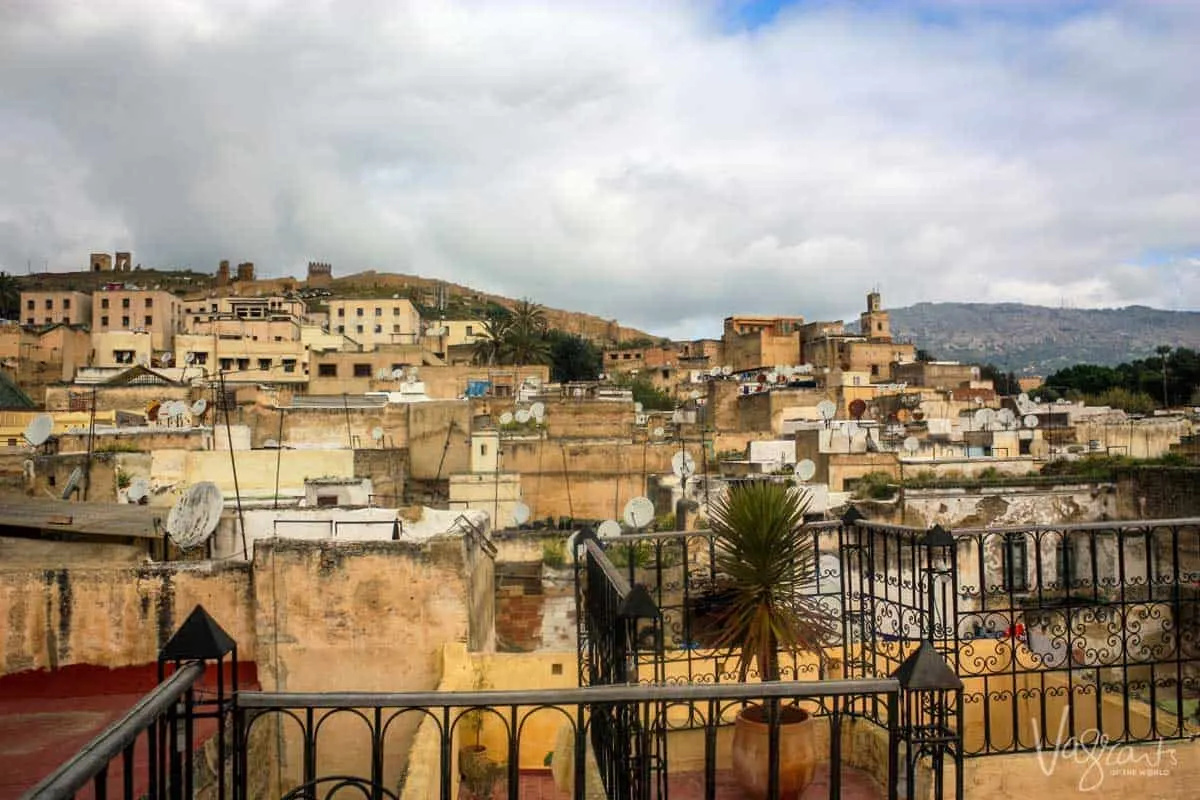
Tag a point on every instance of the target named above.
point(627, 159)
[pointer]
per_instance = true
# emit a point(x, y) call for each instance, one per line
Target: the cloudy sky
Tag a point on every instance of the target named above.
point(664, 162)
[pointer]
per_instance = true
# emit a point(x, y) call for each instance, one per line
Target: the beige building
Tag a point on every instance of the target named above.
point(827, 346)
point(54, 308)
point(264, 358)
point(150, 311)
point(752, 343)
point(376, 322)
point(122, 348)
point(200, 310)
point(935, 374)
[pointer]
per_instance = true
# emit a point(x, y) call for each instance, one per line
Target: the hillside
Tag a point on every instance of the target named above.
point(1039, 340)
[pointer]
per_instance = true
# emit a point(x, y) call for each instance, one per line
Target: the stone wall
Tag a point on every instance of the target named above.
point(1010, 505)
point(1161, 492)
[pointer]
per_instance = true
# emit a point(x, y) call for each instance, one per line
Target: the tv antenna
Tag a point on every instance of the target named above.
point(38, 430)
point(639, 512)
point(195, 515)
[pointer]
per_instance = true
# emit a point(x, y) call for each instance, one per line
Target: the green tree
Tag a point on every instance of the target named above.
point(645, 392)
point(525, 339)
point(10, 297)
point(489, 348)
point(573, 358)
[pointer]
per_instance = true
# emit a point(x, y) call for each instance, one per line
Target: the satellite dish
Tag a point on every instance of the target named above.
point(912, 444)
point(637, 408)
point(506, 418)
point(683, 465)
point(659, 432)
point(73, 483)
point(609, 529)
point(639, 512)
point(377, 434)
point(1006, 417)
point(984, 417)
point(166, 358)
point(1030, 420)
point(520, 514)
point(194, 516)
point(1023, 399)
point(39, 428)
point(522, 416)
point(806, 469)
point(152, 410)
point(695, 395)
point(726, 370)
point(715, 372)
point(826, 409)
point(772, 377)
point(397, 374)
point(138, 490)
point(189, 358)
point(858, 407)
point(537, 410)
point(199, 407)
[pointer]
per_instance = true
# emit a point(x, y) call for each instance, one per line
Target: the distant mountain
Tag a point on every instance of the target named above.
point(1037, 340)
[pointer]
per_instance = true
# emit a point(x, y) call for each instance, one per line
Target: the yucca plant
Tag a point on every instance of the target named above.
point(766, 559)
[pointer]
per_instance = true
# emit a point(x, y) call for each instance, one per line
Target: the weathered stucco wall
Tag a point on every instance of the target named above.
point(115, 617)
point(1009, 505)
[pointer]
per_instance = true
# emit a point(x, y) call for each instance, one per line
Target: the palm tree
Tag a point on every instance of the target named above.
point(526, 342)
point(766, 559)
point(489, 350)
point(10, 297)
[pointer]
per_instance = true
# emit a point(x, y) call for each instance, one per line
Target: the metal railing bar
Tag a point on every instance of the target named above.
point(592, 695)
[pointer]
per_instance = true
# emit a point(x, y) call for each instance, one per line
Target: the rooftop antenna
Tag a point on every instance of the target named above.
point(38, 430)
point(639, 512)
point(195, 515)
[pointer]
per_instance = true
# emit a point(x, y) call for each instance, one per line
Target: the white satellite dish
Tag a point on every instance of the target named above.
point(166, 359)
point(538, 410)
point(199, 407)
point(1030, 420)
point(1006, 417)
point(522, 416)
point(639, 512)
point(805, 470)
point(377, 434)
point(195, 515)
point(695, 395)
point(726, 370)
point(715, 372)
point(609, 529)
point(73, 483)
point(637, 408)
point(138, 489)
point(826, 408)
point(397, 374)
point(659, 432)
point(520, 514)
point(912, 444)
point(683, 465)
point(189, 358)
point(506, 418)
point(1023, 399)
point(985, 417)
point(39, 428)
point(772, 377)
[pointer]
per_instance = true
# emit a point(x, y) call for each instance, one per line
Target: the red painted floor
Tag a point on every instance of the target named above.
point(856, 785)
point(46, 717)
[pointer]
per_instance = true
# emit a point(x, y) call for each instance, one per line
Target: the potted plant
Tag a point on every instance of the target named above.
point(473, 762)
point(765, 559)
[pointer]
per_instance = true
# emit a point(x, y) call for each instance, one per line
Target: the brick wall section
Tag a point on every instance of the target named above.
point(1162, 492)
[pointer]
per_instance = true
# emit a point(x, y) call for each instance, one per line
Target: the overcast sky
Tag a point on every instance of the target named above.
point(666, 163)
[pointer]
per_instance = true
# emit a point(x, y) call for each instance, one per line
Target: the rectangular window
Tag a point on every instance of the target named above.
point(31, 321)
point(149, 302)
point(395, 329)
point(358, 312)
point(327, 370)
point(341, 312)
point(358, 328)
point(149, 321)
point(199, 358)
point(279, 338)
point(379, 329)
point(289, 365)
point(124, 322)
point(1016, 561)
point(125, 302)
point(264, 364)
point(326, 500)
point(66, 304)
point(378, 311)
point(243, 363)
point(470, 330)
point(362, 370)
point(341, 328)
point(30, 305)
point(103, 322)
point(104, 303)
point(49, 321)
point(123, 356)
point(49, 305)
point(395, 311)
point(226, 364)
point(214, 308)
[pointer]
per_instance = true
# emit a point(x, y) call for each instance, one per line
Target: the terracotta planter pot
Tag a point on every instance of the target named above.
point(797, 751)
